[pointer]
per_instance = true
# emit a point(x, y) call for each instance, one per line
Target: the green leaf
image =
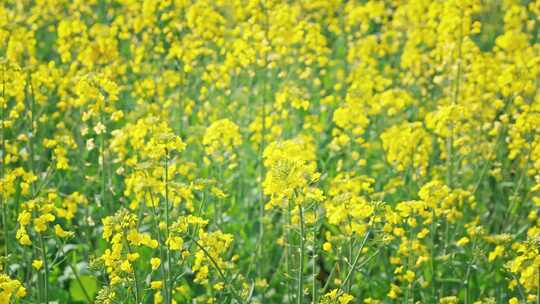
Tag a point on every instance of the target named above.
point(77, 292)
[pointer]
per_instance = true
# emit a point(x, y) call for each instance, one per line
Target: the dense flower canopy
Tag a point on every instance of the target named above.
point(269, 151)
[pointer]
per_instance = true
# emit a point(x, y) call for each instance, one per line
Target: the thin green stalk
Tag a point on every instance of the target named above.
point(288, 250)
point(78, 278)
point(314, 262)
point(102, 156)
point(4, 224)
point(432, 258)
point(538, 288)
point(167, 223)
point(32, 131)
point(350, 252)
point(329, 278)
point(161, 243)
point(520, 289)
point(300, 290)
point(356, 258)
point(409, 296)
point(450, 157)
point(39, 282)
point(136, 283)
point(45, 267)
point(231, 288)
point(521, 179)
point(262, 146)
point(60, 245)
point(450, 140)
point(2, 167)
point(468, 275)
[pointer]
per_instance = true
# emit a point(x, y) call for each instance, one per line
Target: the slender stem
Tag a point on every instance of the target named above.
point(4, 223)
point(39, 282)
point(329, 278)
point(78, 278)
point(288, 251)
point(167, 223)
point(221, 274)
point(357, 257)
point(350, 251)
point(2, 167)
point(468, 275)
point(518, 185)
point(32, 131)
point(409, 297)
point(136, 283)
point(45, 266)
point(161, 244)
point(301, 259)
point(262, 145)
point(450, 140)
point(102, 156)
point(314, 262)
point(538, 287)
point(432, 258)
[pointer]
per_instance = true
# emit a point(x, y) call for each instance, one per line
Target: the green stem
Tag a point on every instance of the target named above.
point(2, 167)
point(356, 259)
point(221, 274)
point(350, 252)
point(329, 278)
point(468, 275)
point(39, 282)
point(262, 147)
point(538, 286)
point(136, 283)
point(161, 244)
point(102, 155)
point(5, 224)
point(300, 290)
point(432, 258)
point(78, 278)
point(45, 267)
point(288, 250)
point(167, 223)
point(314, 261)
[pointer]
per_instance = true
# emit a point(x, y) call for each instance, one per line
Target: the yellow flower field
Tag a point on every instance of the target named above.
point(270, 151)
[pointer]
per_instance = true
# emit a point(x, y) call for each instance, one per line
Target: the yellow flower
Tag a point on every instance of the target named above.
point(449, 300)
point(10, 289)
point(219, 286)
point(40, 223)
point(175, 242)
point(394, 292)
point(126, 266)
point(156, 284)
point(24, 218)
point(158, 298)
point(345, 299)
point(497, 252)
point(37, 264)
point(22, 237)
point(407, 145)
point(463, 241)
point(409, 276)
point(133, 257)
point(332, 297)
point(155, 262)
point(221, 138)
point(513, 300)
point(61, 232)
point(327, 246)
